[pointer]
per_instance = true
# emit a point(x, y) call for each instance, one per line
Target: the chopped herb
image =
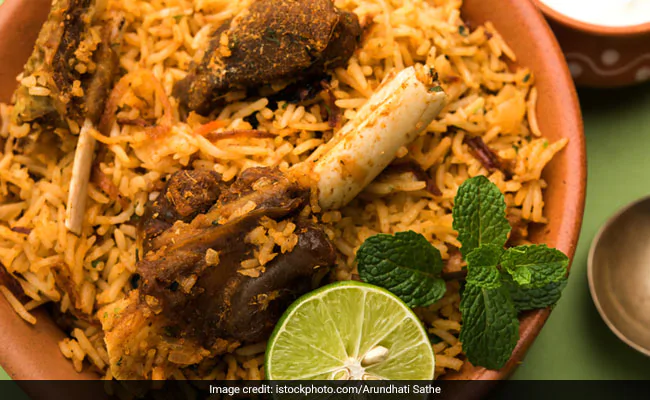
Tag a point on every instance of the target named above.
point(95, 263)
point(178, 17)
point(545, 143)
point(116, 311)
point(171, 331)
point(514, 146)
point(526, 78)
point(406, 264)
point(271, 35)
point(462, 30)
point(215, 222)
point(174, 286)
point(328, 108)
point(436, 89)
point(119, 362)
point(105, 314)
point(285, 105)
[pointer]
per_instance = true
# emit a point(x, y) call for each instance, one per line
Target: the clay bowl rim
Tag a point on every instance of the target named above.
point(569, 123)
point(594, 29)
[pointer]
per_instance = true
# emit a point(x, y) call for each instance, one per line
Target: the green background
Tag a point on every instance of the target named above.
point(575, 343)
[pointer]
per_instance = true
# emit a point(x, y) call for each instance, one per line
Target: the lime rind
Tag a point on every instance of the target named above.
point(332, 328)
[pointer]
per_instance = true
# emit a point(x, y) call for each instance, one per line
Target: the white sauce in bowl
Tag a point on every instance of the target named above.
point(604, 12)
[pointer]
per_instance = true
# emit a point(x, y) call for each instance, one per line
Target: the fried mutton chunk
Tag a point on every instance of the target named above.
point(72, 67)
point(205, 283)
point(269, 41)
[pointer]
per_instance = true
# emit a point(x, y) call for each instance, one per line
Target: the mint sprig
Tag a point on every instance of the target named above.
point(406, 264)
point(500, 283)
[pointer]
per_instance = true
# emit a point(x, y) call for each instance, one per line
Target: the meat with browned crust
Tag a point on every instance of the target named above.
point(269, 41)
point(203, 300)
point(53, 59)
point(186, 194)
point(71, 64)
point(224, 303)
point(194, 298)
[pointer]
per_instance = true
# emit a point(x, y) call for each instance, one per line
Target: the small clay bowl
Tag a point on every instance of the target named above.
point(618, 271)
point(31, 352)
point(602, 56)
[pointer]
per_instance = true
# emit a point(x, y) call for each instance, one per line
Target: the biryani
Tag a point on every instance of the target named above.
point(155, 127)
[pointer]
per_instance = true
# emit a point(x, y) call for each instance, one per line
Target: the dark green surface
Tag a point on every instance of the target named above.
point(575, 343)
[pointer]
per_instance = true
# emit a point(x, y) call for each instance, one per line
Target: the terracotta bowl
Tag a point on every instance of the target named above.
point(31, 352)
point(602, 56)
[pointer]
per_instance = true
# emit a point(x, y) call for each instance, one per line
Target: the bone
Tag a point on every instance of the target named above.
point(393, 117)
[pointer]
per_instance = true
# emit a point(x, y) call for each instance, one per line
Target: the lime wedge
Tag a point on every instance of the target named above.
point(349, 331)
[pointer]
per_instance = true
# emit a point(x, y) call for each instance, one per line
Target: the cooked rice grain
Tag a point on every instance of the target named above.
point(18, 307)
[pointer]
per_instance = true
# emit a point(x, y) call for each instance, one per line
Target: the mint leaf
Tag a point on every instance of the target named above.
point(406, 264)
point(490, 329)
point(535, 265)
point(482, 266)
point(480, 215)
point(529, 298)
